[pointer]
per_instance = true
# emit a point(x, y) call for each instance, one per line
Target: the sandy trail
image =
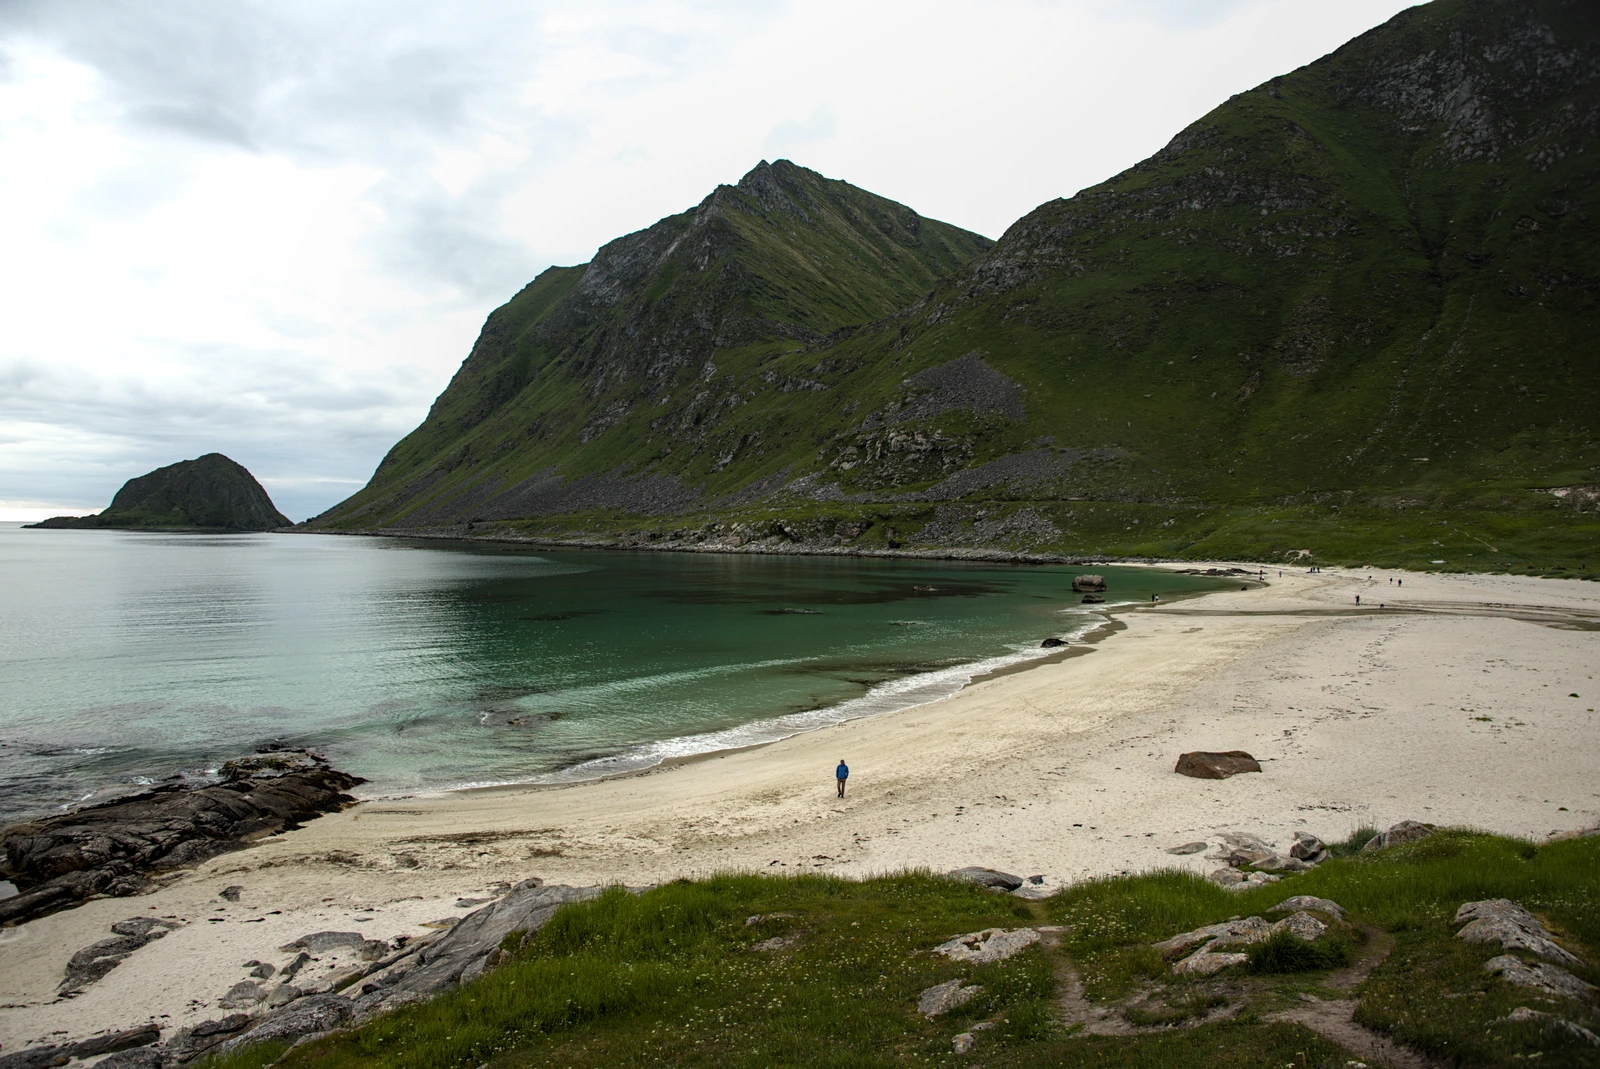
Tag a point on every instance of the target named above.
point(1452, 704)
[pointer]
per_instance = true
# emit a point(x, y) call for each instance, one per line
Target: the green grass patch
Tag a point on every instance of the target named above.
point(675, 977)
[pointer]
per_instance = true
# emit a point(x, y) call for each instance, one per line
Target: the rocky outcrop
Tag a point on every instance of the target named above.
point(1210, 957)
point(93, 1047)
point(1540, 976)
point(94, 961)
point(113, 849)
point(209, 493)
point(1502, 921)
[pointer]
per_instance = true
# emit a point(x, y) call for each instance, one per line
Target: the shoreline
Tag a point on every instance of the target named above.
point(1456, 712)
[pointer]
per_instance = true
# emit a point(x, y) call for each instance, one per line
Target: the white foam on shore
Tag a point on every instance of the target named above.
point(888, 697)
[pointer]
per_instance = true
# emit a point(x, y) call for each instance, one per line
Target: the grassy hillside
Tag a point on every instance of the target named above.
point(828, 972)
point(1349, 311)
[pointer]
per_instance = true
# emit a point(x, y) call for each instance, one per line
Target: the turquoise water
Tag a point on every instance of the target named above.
point(128, 658)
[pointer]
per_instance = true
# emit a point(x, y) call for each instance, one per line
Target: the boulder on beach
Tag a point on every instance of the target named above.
point(1206, 764)
point(986, 877)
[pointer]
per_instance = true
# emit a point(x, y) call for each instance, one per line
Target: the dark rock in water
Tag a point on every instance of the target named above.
point(107, 849)
point(1093, 599)
point(986, 877)
point(1407, 831)
point(1202, 764)
point(210, 493)
point(1086, 583)
point(1051, 643)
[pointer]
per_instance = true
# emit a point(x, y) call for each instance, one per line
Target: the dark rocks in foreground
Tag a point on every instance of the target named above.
point(209, 493)
point(112, 849)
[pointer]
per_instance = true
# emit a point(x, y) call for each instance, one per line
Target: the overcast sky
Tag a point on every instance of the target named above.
point(273, 229)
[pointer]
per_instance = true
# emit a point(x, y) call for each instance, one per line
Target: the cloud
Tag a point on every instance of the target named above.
point(786, 137)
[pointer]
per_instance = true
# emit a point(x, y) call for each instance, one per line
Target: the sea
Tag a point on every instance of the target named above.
point(129, 659)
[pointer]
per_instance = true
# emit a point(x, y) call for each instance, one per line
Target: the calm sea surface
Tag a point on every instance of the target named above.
point(128, 658)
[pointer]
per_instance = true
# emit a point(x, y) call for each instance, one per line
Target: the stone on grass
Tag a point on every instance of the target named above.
point(1233, 880)
point(962, 1042)
point(1228, 933)
point(1187, 848)
point(1407, 831)
point(1500, 920)
point(1540, 976)
point(986, 877)
point(1550, 1021)
point(1301, 925)
point(1206, 764)
point(1308, 848)
point(1299, 902)
point(942, 998)
point(991, 944)
point(1207, 962)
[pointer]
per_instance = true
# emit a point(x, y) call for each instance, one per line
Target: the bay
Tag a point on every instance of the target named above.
point(130, 658)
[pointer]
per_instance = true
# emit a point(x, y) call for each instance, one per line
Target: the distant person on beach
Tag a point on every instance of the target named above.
point(841, 773)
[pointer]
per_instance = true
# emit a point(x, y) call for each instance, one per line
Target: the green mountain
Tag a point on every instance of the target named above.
point(209, 493)
point(1349, 312)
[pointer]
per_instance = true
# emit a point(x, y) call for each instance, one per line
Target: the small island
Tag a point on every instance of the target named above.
point(211, 493)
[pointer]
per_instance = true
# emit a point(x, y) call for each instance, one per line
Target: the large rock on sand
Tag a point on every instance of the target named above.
point(986, 877)
point(1206, 764)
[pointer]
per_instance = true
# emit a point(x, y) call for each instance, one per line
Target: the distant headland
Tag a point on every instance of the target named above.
point(209, 493)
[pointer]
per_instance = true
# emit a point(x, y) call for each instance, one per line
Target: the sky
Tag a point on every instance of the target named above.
point(273, 229)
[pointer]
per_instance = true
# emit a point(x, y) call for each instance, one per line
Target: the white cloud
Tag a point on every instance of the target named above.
point(273, 229)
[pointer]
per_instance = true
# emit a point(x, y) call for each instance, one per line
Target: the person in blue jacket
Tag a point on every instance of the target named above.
point(841, 773)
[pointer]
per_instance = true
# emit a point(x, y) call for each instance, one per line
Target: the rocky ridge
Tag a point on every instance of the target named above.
point(123, 847)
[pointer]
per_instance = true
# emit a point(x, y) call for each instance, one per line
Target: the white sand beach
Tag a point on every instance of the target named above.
point(1452, 704)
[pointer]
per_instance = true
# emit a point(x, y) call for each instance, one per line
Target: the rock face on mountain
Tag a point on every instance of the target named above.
point(209, 493)
point(1338, 309)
